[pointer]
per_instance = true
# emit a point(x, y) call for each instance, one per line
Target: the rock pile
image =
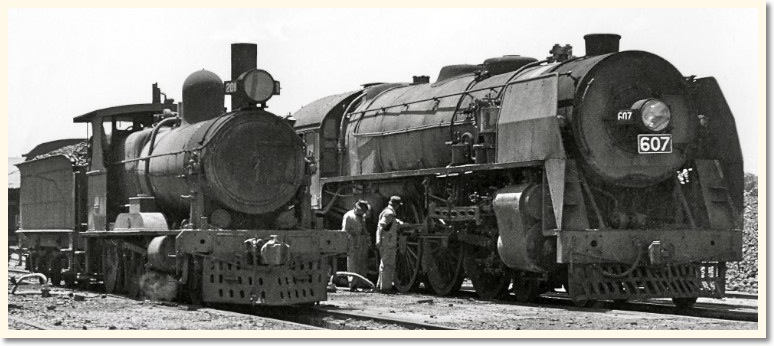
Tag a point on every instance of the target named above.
point(743, 276)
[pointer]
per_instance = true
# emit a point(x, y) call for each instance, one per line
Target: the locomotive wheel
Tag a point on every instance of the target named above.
point(133, 271)
point(407, 264)
point(112, 273)
point(33, 264)
point(194, 284)
point(684, 303)
point(526, 290)
point(29, 264)
point(41, 266)
point(443, 266)
point(55, 271)
point(488, 285)
point(408, 257)
point(69, 280)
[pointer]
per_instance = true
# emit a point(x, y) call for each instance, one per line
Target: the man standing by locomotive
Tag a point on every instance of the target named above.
point(357, 248)
point(387, 243)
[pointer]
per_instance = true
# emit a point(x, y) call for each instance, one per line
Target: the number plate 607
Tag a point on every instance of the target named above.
point(654, 144)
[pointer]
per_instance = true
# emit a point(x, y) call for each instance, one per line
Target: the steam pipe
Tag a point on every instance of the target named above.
point(152, 143)
point(155, 131)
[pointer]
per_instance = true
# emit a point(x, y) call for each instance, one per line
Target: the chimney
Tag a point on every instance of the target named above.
point(156, 93)
point(244, 57)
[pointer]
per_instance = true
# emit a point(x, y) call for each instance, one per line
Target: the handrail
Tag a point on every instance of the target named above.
point(492, 88)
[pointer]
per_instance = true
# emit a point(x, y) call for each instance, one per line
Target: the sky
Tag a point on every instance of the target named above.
point(66, 62)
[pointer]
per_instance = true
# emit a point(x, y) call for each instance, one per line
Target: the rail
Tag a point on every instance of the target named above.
point(701, 310)
point(19, 320)
point(335, 319)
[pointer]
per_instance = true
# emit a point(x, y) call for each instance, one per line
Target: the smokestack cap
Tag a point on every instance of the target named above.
point(599, 44)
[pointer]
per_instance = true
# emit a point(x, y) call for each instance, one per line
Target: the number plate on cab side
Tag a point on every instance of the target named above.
point(654, 143)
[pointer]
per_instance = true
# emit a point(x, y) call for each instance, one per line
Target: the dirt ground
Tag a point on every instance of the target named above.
point(467, 312)
point(103, 312)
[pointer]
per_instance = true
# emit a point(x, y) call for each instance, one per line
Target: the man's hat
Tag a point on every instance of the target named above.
point(395, 200)
point(362, 205)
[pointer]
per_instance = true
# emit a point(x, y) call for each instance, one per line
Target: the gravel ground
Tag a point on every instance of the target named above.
point(352, 324)
point(106, 312)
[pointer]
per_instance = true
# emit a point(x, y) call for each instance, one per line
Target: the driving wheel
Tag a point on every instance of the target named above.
point(490, 283)
point(442, 265)
point(408, 256)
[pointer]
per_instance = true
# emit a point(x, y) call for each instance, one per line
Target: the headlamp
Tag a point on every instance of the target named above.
point(655, 114)
point(256, 85)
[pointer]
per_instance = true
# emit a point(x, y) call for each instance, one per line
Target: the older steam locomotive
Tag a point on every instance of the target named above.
point(611, 175)
point(183, 200)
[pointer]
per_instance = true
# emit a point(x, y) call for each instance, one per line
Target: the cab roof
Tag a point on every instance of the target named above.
point(124, 113)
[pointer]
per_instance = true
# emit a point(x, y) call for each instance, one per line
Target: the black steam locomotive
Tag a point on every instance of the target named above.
point(611, 175)
point(182, 201)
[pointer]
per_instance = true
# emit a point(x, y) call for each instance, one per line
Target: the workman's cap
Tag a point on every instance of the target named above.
point(395, 200)
point(362, 205)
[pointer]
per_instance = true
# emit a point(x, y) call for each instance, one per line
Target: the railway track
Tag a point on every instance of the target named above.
point(328, 318)
point(315, 317)
point(719, 310)
point(741, 295)
point(215, 312)
point(26, 322)
point(701, 310)
point(343, 320)
point(18, 271)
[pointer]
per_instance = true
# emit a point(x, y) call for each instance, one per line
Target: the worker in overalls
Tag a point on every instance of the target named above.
point(357, 248)
point(387, 243)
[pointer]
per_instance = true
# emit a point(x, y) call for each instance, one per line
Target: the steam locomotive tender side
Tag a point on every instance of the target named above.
point(201, 205)
point(611, 174)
